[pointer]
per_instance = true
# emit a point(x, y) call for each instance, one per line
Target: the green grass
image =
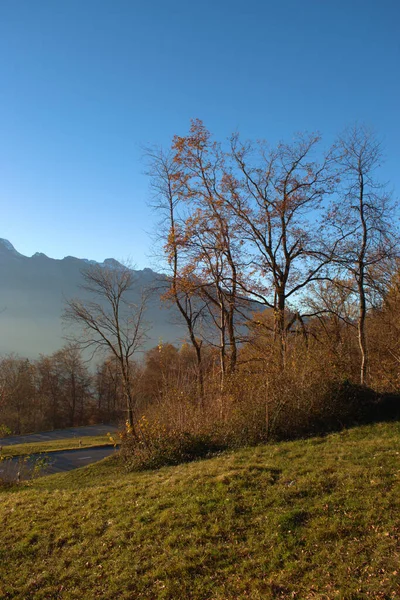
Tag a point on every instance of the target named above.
point(306, 519)
point(54, 446)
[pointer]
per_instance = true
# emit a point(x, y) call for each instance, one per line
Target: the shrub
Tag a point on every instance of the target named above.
point(4, 430)
point(151, 445)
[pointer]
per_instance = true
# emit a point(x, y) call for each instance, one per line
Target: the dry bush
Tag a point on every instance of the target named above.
point(153, 446)
point(308, 391)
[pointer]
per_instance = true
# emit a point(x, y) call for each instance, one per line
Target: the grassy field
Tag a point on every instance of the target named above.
point(55, 445)
point(306, 519)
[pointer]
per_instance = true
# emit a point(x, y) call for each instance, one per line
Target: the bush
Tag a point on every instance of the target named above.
point(346, 404)
point(4, 430)
point(294, 407)
point(149, 445)
point(388, 408)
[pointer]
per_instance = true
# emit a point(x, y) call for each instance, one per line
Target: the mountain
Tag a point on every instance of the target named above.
point(33, 291)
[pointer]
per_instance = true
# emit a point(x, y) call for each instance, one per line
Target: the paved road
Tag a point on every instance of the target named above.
point(57, 434)
point(58, 462)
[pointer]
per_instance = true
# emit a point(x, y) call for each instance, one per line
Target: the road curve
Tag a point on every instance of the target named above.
point(58, 434)
point(58, 462)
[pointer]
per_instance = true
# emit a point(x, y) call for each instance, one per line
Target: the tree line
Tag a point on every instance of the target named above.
point(61, 390)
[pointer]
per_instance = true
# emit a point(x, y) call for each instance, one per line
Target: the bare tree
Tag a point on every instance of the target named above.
point(210, 237)
point(277, 195)
point(166, 186)
point(109, 321)
point(362, 219)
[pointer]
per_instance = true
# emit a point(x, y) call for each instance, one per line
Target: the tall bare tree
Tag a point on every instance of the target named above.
point(276, 194)
point(362, 219)
point(211, 235)
point(109, 321)
point(182, 290)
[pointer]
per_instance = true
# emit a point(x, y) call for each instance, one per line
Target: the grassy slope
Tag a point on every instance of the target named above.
point(307, 519)
point(55, 445)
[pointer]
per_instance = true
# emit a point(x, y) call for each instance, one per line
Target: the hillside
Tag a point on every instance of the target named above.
point(32, 298)
point(306, 519)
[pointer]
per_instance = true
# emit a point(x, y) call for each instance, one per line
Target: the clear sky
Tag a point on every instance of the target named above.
point(84, 84)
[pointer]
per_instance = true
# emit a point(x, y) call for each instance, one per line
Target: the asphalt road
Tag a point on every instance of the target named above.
point(65, 460)
point(57, 434)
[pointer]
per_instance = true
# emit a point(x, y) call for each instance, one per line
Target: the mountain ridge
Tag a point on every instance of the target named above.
point(9, 247)
point(33, 291)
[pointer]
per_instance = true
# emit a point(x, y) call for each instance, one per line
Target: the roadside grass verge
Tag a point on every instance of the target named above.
point(55, 446)
point(316, 518)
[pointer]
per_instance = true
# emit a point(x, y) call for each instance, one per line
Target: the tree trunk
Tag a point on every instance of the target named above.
point(200, 378)
point(222, 347)
point(362, 342)
point(360, 281)
point(280, 333)
point(232, 339)
point(73, 400)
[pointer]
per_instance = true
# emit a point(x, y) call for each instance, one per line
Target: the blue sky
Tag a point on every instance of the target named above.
point(84, 84)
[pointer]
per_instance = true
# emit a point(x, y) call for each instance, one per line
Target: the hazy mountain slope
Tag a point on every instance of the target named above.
point(32, 294)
